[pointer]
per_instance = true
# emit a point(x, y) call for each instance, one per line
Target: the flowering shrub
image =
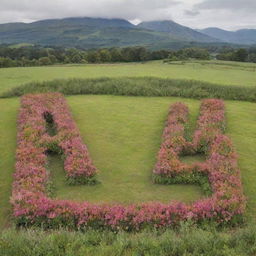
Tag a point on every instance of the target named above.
point(220, 170)
point(32, 206)
point(45, 123)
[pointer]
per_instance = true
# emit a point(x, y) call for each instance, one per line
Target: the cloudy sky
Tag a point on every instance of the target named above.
point(227, 14)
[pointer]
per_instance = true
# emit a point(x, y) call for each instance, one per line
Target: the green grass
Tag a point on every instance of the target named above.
point(190, 159)
point(214, 73)
point(187, 240)
point(123, 135)
point(137, 86)
point(218, 64)
point(8, 115)
point(14, 46)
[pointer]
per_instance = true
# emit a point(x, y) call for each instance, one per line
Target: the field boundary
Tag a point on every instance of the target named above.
point(132, 86)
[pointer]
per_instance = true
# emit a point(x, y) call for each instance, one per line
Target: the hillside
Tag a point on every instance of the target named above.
point(95, 33)
point(99, 33)
point(243, 36)
point(172, 28)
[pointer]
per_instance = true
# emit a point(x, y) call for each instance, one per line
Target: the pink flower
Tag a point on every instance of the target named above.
point(29, 196)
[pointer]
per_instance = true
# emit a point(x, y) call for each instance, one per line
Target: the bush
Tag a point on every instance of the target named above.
point(220, 166)
point(146, 86)
point(186, 240)
point(45, 124)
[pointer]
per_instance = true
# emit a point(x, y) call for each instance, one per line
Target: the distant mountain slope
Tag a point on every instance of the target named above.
point(243, 36)
point(95, 33)
point(175, 29)
point(86, 21)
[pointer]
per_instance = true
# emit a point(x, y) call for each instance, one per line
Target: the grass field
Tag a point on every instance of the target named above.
point(226, 73)
point(123, 135)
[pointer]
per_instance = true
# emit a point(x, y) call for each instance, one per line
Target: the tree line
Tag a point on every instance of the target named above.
point(190, 53)
point(41, 56)
point(241, 54)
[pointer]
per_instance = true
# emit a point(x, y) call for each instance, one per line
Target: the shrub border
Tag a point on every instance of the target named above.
point(137, 86)
point(34, 140)
point(32, 206)
point(220, 167)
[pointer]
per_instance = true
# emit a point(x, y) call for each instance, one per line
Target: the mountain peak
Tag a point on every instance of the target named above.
point(90, 32)
point(173, 28)
point(88, 21)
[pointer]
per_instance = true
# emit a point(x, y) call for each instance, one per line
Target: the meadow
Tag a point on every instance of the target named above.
point(123, 133)
point(229, 73)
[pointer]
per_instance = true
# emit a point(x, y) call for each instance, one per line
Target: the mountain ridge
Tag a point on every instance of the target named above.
point(87, 32)
point(241, 36)
point(169, 26)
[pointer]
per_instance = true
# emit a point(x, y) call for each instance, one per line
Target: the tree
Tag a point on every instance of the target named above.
point(241, 55)
point(93, 57)
point(195, 53)
point(252, 57)
point(53, 59)
point(104, 55)
point(116, 55)
point(6, 63)
point(44, 61)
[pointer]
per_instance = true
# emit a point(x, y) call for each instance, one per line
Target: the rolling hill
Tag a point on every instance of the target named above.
point(98, 32)
point(172, 28)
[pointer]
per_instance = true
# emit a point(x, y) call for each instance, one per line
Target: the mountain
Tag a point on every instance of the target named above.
point(98, 33)
point(64, 32)
point(242, 36)
point(173, 28)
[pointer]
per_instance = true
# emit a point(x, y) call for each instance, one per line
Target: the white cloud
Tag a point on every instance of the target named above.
point(227, 14)
point(127, 9)
point(231, 5)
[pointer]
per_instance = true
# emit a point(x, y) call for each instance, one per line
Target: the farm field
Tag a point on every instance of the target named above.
point(225, 73)
point(128, 131)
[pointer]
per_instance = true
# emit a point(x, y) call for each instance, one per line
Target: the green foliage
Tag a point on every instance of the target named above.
point(241, 54)
point(218, 72)
point(44, 61)
point(138, 87)
point(82, 180)
point(6, 62)
point(186, 240)
point(41, 56)
point(190, 53)
point(123, 136)
point(195, 178)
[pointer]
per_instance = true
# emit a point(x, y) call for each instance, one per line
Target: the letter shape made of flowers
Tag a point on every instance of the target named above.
point(32, 205)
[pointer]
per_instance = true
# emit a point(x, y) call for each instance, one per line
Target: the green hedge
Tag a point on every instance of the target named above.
point(194, 178)
point(144, 86)
point(186, 241)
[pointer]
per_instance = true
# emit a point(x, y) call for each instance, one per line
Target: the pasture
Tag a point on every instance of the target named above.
point(123, 133)
point(229, 73)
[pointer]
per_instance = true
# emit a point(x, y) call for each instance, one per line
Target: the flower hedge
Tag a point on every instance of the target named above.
point(32, 206)
point(37, 114)
point(219, 173)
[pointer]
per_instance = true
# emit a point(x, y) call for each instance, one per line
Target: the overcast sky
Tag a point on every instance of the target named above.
point(226, 14)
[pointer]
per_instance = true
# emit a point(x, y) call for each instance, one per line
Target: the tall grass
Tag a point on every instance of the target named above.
point(146, 86)
point(187, 240)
